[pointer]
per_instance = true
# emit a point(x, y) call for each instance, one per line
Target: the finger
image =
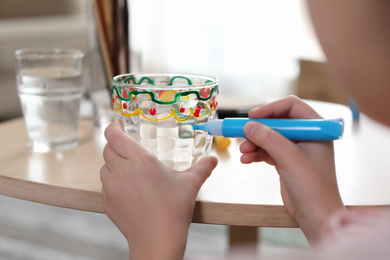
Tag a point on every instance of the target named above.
point(274, 144)
point(254, 153)
point(111, 157)
point(200, 171)
point(251, 152)
point(104, 173)
point(248, 158)
point(257, 156)
point(289, 107)
point(123, 144)
point(248, 147)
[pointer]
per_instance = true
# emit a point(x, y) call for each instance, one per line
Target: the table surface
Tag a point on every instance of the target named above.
point(235, 194)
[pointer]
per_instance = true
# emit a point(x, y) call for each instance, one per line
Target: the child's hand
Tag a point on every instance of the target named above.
point(307, 171)
point(150, 203)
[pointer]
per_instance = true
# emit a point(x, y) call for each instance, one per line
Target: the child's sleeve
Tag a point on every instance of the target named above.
point(356, 234)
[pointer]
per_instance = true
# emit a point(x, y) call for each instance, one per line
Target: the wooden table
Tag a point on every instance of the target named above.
point(235, 194)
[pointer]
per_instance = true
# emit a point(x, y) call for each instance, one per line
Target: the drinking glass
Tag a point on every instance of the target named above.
point(159, 110)
point(50, 87)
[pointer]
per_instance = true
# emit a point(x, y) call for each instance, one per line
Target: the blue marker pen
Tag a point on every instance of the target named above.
point(293, 129)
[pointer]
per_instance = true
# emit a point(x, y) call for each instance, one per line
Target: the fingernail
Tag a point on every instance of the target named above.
point(250, 128)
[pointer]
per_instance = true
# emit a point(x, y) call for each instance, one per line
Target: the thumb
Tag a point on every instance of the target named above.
point(201, 170)
point(276, 145)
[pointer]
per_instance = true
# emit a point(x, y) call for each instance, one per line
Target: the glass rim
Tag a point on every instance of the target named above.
point(210, 81)
point(48, 53)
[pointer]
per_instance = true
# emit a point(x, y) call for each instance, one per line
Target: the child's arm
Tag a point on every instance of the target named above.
point(151, 204)
point(307, 170)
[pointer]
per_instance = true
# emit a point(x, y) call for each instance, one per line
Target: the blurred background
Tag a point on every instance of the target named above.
point(257, 49)
point(253, 47)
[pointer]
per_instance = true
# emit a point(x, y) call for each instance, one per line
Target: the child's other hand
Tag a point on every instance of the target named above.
point(307, 170)
point(150, 203)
